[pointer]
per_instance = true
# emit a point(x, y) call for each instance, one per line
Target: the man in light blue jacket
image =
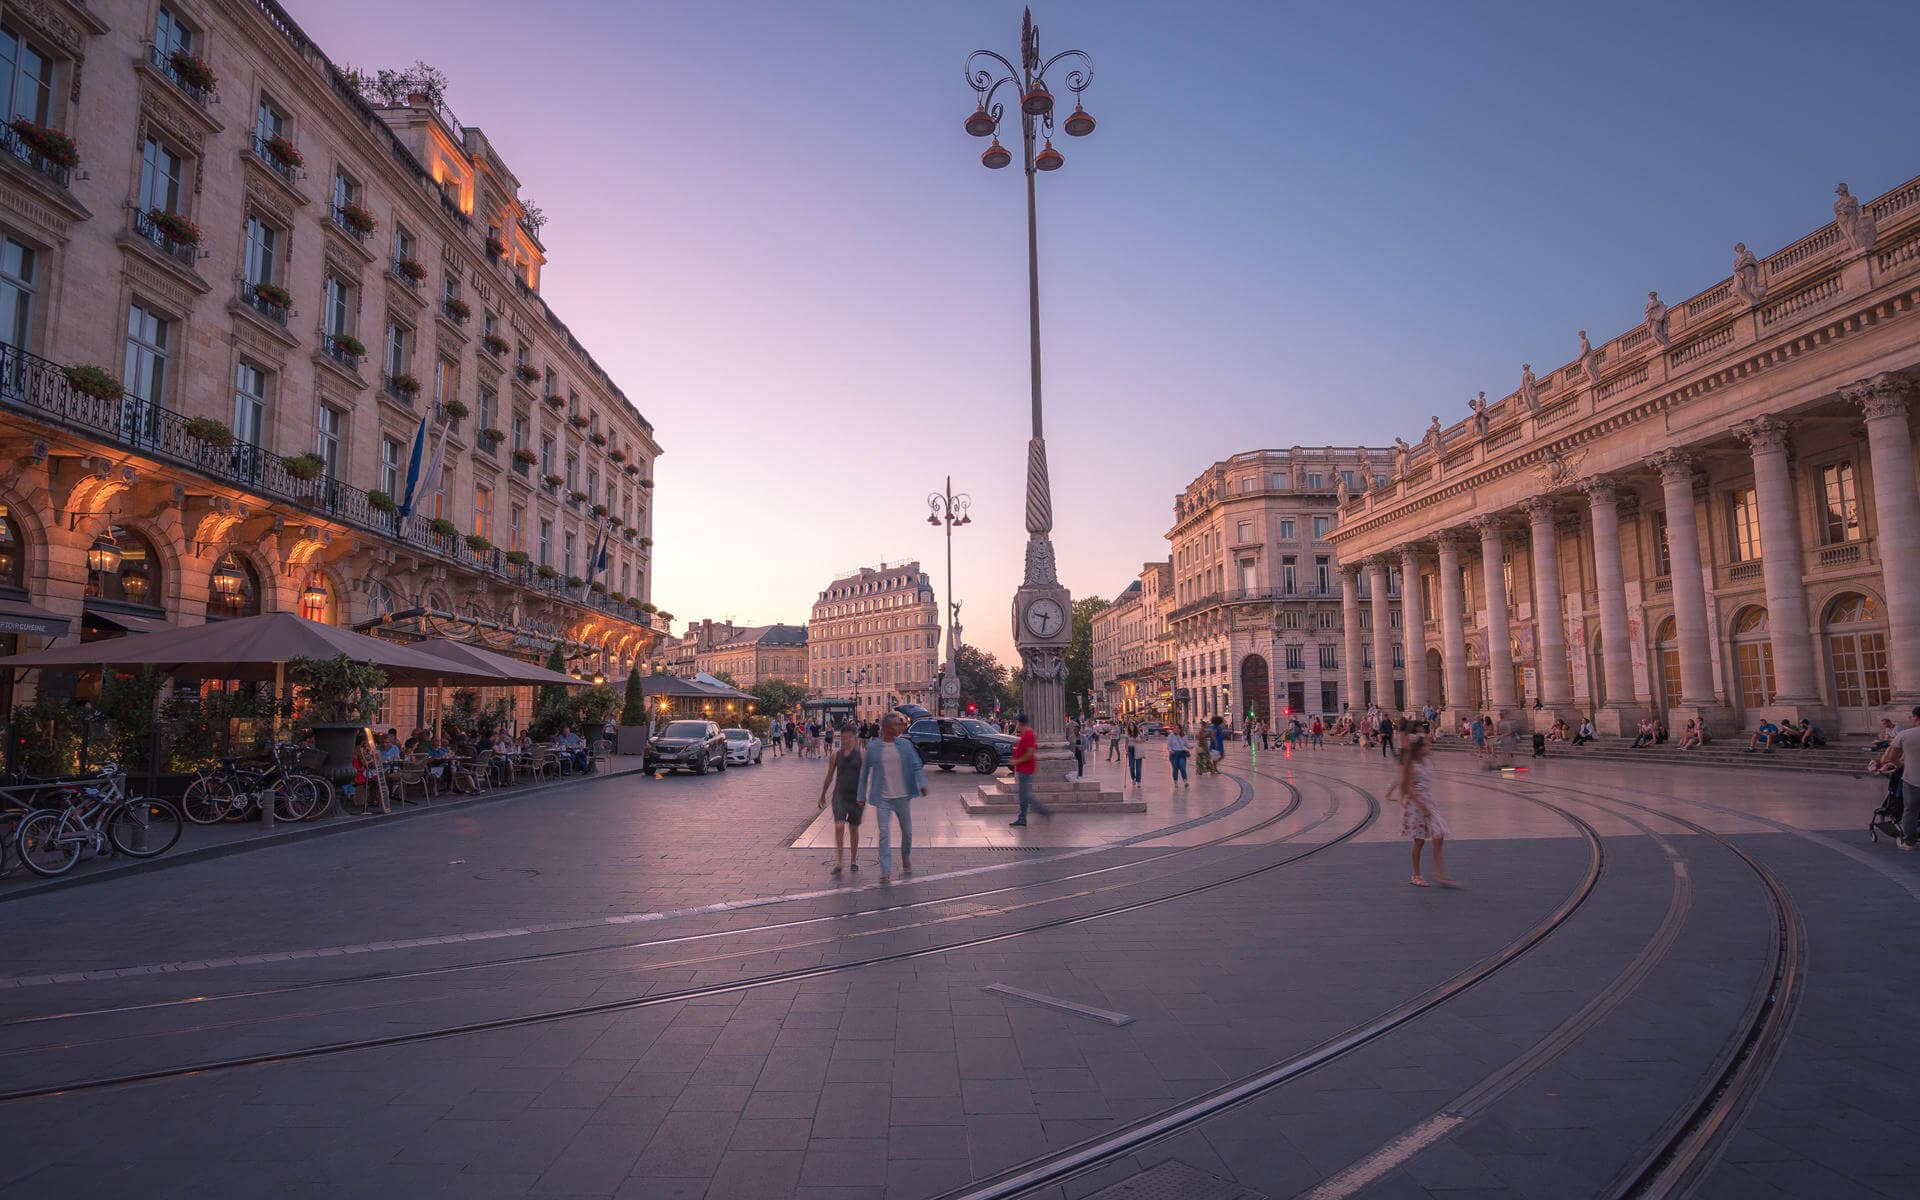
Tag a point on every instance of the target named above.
point(890, 776)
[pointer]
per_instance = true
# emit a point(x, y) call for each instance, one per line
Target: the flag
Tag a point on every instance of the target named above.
point(422, 482)
point(599, 561)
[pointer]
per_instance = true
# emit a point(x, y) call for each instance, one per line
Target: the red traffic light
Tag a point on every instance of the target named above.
point(972, 708)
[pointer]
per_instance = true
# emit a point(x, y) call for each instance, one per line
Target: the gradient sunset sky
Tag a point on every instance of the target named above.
point(1296, 225)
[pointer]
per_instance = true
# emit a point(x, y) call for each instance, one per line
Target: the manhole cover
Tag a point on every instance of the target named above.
point(1174, 1180)
point(499, 873)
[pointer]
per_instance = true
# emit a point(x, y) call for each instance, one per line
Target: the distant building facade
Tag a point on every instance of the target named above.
point(874, 638)
point(757, 653)
point(1132, 667)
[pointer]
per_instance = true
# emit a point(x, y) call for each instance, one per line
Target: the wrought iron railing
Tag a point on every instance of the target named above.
point(162, 61)
point(263, 150)
point(17, 146)
point(332, 348)
point(251, 297)
point(339, 214)
point(390, 385)
point(182, 252)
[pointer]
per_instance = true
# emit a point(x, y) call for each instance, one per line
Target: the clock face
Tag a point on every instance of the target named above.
point(1044, 618)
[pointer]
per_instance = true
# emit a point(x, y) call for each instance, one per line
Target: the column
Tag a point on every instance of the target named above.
point(1782, 563)
point(1413, 628)
point(1350, 624)
point(1689, 591)
point(1616, 652)
point(1378, 574)
point(1550, 622)
point(1500, 697)
point(1453, 625)
point(1896, 510)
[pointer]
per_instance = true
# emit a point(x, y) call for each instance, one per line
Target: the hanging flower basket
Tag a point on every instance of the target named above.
point(525, 456)
point(406, 384)
point(211, 431)
point(174, 227)
point(50, 144)
point(493, 437)
point(358, 219)
point(411, 268)
point(379, 501)
point(192, 70)
point(443, 527)
point(494, 344)
point(94, 382)
point(456, 409)
point(304, 466)
point(273, 294)
point(478, 544)
point(346, 343)
point(285, 151)
point(526, 373)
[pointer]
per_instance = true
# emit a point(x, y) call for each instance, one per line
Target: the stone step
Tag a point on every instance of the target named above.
point(1826, 760)
point(983, 806)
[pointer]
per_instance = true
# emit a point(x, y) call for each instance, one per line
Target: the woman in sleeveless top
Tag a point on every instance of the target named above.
point(843, 780)
point(1419, 818)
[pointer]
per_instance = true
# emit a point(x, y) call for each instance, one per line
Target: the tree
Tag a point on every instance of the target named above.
point(1080, 653)
point(635, 710)
point(553, 707)
point(777, 695)
point(725, 677)
point(983, 681)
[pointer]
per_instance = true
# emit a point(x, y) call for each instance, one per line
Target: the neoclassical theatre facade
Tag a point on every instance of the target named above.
point(1713, 515)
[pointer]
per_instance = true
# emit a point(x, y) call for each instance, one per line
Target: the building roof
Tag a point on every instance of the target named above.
point(765, 635)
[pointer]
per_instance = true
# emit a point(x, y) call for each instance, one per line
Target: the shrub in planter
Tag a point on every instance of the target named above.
point(649, 607)
point(50, 144)
point(599, 510)
point(617, 455)
point(358, 219)
point(458, 309)
point(552, 480)
point(208, 430)
point(93, 381)
point(556, 402)
point(578, 497)
point(455, 409)
point(406, 384)
point(379, 501)
point(526, 373)
point(578, 421)
point(192, 70)
point(525, 456)
point(349, 344)
point(274, 294)
point(304, 466)
point(618, 597)
point(496, 248)
point(517, 557)
point(443, 527)
point(494, 344)
point(493, 436)
point(574, 581)
point(478, 544)
point(598, 439)
point(546, 571)
point(342, 696)
point(597, 588)
point(285, 151)
point(176, 227)
point(412, 268)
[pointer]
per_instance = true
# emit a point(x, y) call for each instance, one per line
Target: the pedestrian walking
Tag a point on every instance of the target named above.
point(1177, 750)
point(1204, 762)
point(1079, 750)
point(1133, 754)
point(1903, 753)
point(1026, 762)
point(1419, 819)
point(1219, 738)
point(843, 782)
point(1386, 736)
point(1113, 741)
point(1319, 733)
point(891, 774)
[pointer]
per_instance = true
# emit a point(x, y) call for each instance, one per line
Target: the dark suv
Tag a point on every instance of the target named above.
point(695, 746)
point(951, 742)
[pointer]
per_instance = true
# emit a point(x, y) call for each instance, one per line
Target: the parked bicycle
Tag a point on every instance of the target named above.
point(234, 791)
point(97, 817)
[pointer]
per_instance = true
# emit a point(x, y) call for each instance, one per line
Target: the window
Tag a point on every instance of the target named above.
point(1243, 532)
point(249, 404)
point(573, 472)
point(16, 293)
point(27, 89)
point(268, 122)
point(345, 192)
point(446, 381)
point(1320, 529)
point(546, 542)
point(516, 518)
point(593, 485)
point(1279, 481)
point(159, 177)
point(1662, 560)
point(1352, 482)
point(1426, 597)
point(483, 511)
point(327, 439)
point(485, 406)
point(1249, 577)
point(170, 33)
point(145, 377)
point(519, 431)
point(1248, 484)
point(1326, 619)
point(391, 453)
point(338, 308)
point(546, 455)
point(1744, 521)
point(1842, 519)
point(566, 557)
point(399, 349)
point(1286, 530)
point(1322, 574)
point(403, 243)
point(263, 249)
point(1289, 575)
point(1399, 651)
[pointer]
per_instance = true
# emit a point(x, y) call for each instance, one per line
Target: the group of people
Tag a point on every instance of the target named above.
point(808, 739)
point(1803, 735)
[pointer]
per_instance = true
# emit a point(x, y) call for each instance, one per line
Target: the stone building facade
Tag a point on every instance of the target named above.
point(758, 653)
point(221, 330)
point(1259, 623)
point(1712, 515)
point(874, 637)
point(1131, 668)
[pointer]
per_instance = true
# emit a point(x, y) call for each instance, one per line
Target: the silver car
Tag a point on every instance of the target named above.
point(743, 748)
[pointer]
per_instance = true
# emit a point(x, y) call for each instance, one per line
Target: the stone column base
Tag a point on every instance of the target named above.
point(1793, 710)
point(1541, 720)
point(1720, 721)
point(1620, 720)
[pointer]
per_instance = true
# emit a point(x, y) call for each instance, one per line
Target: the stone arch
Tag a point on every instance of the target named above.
point(1853, 632)
point(1256, 689)
point(1752, 657)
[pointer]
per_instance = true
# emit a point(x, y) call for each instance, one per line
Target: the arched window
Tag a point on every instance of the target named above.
point(1857, 649)
point(13, 554)
point(121, 566)
point(1753, 658)
point(233, 589)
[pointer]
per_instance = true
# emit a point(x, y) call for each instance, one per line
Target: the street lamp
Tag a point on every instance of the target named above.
point(1042, 608)
point(945, 508)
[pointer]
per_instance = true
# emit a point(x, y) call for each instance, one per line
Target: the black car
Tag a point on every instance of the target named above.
point(696, 746)
point(952, 742)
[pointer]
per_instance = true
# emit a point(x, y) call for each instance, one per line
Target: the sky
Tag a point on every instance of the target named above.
point(1296, 224)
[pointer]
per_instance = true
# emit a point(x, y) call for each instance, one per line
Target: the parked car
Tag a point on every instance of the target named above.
point(695, 746)
point(743, 748)
point(947, 743)
point(1154, 729)
point(912, 712)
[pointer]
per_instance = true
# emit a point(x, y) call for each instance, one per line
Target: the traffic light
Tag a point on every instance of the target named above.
point(972, 709)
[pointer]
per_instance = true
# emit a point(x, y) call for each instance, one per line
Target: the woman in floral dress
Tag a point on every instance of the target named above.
point(1419, 818)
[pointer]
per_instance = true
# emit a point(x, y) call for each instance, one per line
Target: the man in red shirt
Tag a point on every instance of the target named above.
point(1026, 760)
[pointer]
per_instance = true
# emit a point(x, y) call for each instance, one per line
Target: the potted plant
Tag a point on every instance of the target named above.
point(192, 70)
point(525, 457)
point(597, 588)
point(357, 218)
point(649, 607)
point(456, 409)
point(578, 420)
point(304, 466)
point(478, 544)
point(546, 571)
point(274, 294)
point(599, 510)
point(598, 439)
point(174, 227)
point(556, 402)
point(379, 501)
point(352, 346)
point(552, 480)
point(493, 437)
point(50, 144)
point(633, 728)
point(285, 151)
point(633, 468)
point(94, 382)
point(211, 431)
point(617, 455)
point(493, 344)
point(517, 557)
point(577, 496)
point(646, 542)
point(458, 309)
point(443, 527)
point(574, 581)
point(526, 373)
point(406, 385)
point(617, 597)
point(410, 268)
point(342, 695)
point(495, 247)
point(614, 520)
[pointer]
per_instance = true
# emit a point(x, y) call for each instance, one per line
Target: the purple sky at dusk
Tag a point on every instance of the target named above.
point(1296, 225)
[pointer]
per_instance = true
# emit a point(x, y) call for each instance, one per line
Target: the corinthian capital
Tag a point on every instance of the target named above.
point(1884, 395)
point(1539, 509)
point(1453, 541)
point(1672, 464)
point(1490, 526)
point(1765, 435)
point(1599, 489)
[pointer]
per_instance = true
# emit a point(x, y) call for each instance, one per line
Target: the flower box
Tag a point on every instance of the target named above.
point(578, 421)
point(598, 510)
point(646, 541)
point(410, 268)
point(496, 248)
point(346, 343)
point(456, 409)
point(617, 455)
point(574, 581)
point(50, 144)
point(285, 151)
point(618, 597)
point(598, 439)
point(95, 382)
point(379, 501)
point(526, 373)
point(525, 456)
point(478, 544)
point(646, 483)
point(304, 466)
point(633, 468)
point(493, 436)
point(210, 431)
point(494, 344)
point(174, 227)
point(358, 219)
point(517, 557)
point(577, 497)
point(546, 571)
point(556, 402)
point(405, 384)
point(192, 70)
point(649, 607)
point(458, 309)
point(553, 481)
point(443, 527)
point(273, 294)
point(597, 588)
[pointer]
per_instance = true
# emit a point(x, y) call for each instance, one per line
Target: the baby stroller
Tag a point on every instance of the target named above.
point(1886, 818)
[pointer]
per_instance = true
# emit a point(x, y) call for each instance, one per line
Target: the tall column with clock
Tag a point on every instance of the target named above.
point(1042, 615)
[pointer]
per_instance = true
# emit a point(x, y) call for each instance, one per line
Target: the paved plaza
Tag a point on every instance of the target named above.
point(1654, 979)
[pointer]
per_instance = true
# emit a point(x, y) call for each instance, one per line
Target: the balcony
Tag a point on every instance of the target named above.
point(346, 226)
point(396, 389)
point(331, 347)
point(17, 146)
point(455, 310)
point(1842, 554)
point(279, 166)
point(272, 311)
point(184, 253)
point(163, 62)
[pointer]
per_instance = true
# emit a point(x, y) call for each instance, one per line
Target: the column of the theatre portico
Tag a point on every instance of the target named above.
point(1697, 694)
point(1350, 616)
point(1500, 698)
point(1413, 628)
point(1379, 575)
point(1620, 712)
point(1453, 627)
point(1883, 402)
point(1549, 614)
point(1796, 685)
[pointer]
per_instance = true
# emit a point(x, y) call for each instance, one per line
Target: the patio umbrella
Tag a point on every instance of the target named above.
point(506, 669)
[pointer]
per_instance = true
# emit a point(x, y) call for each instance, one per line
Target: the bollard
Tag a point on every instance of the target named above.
point(265, 801)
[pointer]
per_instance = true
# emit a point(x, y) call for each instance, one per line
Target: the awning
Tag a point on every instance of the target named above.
point(130, 623)
point(17, 616)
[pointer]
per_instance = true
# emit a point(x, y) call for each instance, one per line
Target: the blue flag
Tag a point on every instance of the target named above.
point(600, 555)
point(414, 462)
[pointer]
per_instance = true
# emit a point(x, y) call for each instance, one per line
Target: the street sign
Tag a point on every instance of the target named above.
point(950, 688)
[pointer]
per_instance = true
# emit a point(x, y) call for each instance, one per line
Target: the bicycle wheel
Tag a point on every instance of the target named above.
point(45, 846)
point(323, 790)
point(208, 800)
point(143, 828)
point(295, 799)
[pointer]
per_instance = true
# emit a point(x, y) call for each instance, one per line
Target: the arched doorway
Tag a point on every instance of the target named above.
point(1436, 680)
point(1856, 632)
point(1667, 649)
point(1753, 659)
point(1256, 689)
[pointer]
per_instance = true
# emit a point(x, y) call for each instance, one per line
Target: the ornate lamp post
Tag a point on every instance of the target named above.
point(945, 508)
point(1042, 608)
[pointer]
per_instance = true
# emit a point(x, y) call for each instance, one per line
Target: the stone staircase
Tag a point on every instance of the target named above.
point(1847, 757)
point(1062, 796)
